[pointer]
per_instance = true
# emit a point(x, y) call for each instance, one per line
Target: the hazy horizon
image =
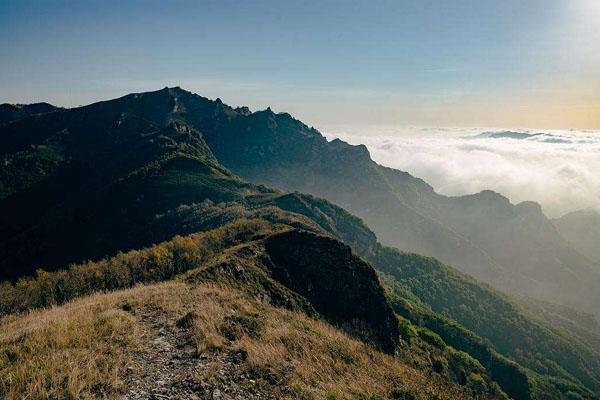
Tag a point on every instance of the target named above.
point(465, 63)
point(359, 69)
point(363, 229)
point(556, 168)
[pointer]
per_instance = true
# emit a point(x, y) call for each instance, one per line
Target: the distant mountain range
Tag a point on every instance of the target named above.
point(543, 137)
point(513, 247)
point(91, 182)
point(506, 134)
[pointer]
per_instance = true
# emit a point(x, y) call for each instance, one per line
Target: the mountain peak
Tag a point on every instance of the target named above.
point(127, 173)
point(359, 151)
point(243, 110)
point(492, 196)
point(530, 207)
point(42, 105)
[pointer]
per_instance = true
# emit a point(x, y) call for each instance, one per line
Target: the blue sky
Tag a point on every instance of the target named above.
point(466, 62)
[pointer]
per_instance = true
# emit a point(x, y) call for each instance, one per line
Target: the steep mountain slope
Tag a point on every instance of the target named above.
point(516, 248)
point(579, 327)
point(117, 172)
point(565, 350)
point(513, 247)
point(137, 170)
point(523, 237)
point(500, 325)
point(24, 168)
point(251, 266)
point(405, 212)
point(196, 341)
point(582, 230)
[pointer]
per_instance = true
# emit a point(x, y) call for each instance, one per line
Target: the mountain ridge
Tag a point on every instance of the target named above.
point(147, 171)
point(11, 112)
point(431, 224)
point(279, 150)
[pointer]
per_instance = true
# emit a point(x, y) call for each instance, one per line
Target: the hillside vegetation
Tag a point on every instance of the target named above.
point(513, 247)
point(104, 346)
point(241, 255)
point(131, 150)
point(497, 323)
point(131, 192)
point(231, 310)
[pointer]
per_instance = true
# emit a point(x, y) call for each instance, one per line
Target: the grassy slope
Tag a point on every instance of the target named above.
point(454, 285)
point(85, 347)
point(187, 173)
point(511, 330)
point(71, 352)
point(513, 247)
point(288, 353)
point(234, 267)
point(340, 286)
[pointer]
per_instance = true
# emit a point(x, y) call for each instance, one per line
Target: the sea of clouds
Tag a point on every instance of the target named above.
point(560, 169)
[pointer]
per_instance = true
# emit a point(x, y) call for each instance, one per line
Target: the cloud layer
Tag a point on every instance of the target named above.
point(558, 169)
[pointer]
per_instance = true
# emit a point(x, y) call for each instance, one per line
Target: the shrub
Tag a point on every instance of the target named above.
point(157, 263)
point(432, 338)
point(573, 396)
point(440, 365)
point(407, 330)
point(399, 393)
point(477, 384)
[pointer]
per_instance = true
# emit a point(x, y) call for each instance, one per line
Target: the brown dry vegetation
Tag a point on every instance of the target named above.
point(69, 352)
point(87, 348)
point(157, 263)
point(311, 358)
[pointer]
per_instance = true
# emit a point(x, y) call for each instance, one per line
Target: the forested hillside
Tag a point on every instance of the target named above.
point(513, 247)
point(109, 181)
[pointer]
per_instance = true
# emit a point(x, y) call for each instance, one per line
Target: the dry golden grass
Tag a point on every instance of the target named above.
point(80, 350)
point(157, 263)
point(69, 352)
point(309, 357)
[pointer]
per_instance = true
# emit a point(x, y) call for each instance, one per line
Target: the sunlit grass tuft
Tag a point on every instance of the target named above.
point(71, 352)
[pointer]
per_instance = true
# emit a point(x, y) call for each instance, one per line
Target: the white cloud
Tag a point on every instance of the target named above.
point(558, 169)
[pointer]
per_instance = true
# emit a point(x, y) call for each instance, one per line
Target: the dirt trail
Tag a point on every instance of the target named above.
point(168, 367)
